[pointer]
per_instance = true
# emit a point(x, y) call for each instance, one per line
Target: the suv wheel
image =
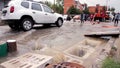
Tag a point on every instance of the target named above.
point(59, 22)
point(27, 24)
point(14, 26)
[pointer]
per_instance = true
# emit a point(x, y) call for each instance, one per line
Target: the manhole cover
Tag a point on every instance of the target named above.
point(66, 65)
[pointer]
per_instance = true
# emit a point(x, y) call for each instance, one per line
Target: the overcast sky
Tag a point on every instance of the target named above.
point(111, 3)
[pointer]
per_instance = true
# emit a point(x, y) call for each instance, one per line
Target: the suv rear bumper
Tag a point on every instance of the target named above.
point(10, 21)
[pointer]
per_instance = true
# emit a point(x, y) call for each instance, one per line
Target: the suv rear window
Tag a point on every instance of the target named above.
point(47, 9)
point(36, 7)
point(25, 4)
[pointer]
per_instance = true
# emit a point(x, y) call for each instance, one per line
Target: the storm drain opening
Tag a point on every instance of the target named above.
point(92, 42)
point(85, 48)
point(80, 52)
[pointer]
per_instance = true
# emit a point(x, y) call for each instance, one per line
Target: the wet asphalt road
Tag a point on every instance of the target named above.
point(68, 34)
point(59, 38)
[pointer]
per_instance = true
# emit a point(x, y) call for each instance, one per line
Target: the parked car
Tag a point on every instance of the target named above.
point(65, 17)
point(24, 14)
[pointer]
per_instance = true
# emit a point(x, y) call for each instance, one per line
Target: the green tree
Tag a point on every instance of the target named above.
point(109, 9)
point(73, 10)
point(48, 3)
point(58, 7)
point(60, 2)
point(112, 9)
point(86, 11)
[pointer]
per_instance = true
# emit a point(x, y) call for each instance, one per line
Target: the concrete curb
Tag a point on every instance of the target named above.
point(1, 23)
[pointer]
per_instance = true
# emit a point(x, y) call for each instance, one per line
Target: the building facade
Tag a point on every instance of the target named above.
point(78, 5)
point(92, 9)
point(3, 3)
point(96, 9)
point(69, 3)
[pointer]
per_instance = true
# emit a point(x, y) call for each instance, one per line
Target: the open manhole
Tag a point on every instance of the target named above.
point(80, 52)
point(85, 48)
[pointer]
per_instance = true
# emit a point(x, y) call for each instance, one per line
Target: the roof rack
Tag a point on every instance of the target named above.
point(35, 1)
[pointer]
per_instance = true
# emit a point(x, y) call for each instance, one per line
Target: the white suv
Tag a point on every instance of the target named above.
point(24, 14)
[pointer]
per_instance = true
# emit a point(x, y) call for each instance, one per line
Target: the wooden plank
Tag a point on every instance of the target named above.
point(106, 33)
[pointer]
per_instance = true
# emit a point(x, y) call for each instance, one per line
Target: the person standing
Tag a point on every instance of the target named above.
point(94, 19)
point(91, 17)
point(98, 17)
point(82, 17)
point(86, 16)
point(111, 17)
point(68, 17)
point(116, 19)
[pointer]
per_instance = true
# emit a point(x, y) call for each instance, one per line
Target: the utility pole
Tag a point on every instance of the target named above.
point(54, 2)
point(107, 1)
point(4, 3)
point(54, 6)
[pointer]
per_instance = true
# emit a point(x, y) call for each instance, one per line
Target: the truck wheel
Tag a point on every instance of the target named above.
point(59, 22)
point(26, 24)
point(14, 26)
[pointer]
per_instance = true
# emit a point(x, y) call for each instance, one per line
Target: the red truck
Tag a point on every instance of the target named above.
point(101, 16)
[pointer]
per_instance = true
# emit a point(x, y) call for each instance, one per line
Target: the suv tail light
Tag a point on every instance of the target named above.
point(11, 9)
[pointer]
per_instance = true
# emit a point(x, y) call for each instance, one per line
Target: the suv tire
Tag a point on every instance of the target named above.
point(14, 26)
point(27, 24)
point(59, 22)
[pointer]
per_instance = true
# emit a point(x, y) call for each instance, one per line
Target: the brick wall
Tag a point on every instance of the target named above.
point(68, 4)
point(92, 9)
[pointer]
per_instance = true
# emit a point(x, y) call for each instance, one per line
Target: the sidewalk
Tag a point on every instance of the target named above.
point(1, 23)
point(117, 56)
point(0, 17)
